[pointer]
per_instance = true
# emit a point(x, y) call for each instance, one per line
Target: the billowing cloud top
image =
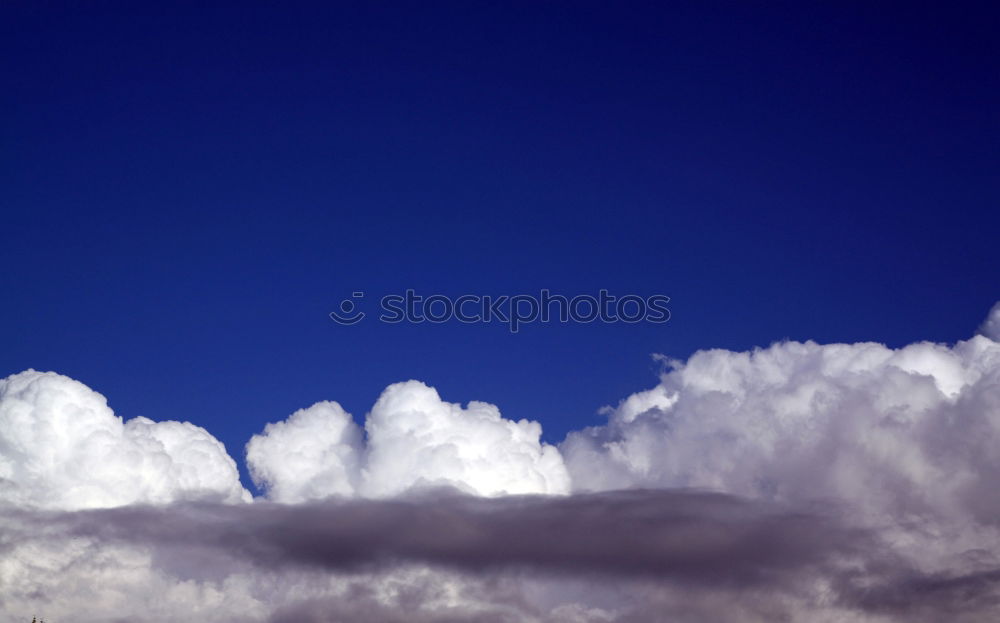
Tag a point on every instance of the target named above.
point(62, 447)
point(782, 421)
point(314, 454)
point(906, 439)
point(991, 327)
point(414, 440)
point(827, 483)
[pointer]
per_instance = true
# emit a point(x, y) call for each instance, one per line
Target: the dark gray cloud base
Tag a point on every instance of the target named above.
point(679, 535)
point(644, 542)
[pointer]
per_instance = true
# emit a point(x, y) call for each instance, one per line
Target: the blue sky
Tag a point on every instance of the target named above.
point(189, 191)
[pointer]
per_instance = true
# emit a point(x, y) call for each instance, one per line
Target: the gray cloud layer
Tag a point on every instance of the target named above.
point(755, 557)
point(695, 537)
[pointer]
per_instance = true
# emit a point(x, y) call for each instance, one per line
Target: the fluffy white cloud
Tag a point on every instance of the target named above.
point(414, 440)
point(991, 326)
point(907, 437)
point(61, 447)
point(314, 454)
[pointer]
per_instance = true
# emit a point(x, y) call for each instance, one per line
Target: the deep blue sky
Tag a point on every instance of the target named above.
point(187, 192)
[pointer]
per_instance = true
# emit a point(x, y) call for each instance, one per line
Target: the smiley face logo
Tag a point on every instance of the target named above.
point(348, 313)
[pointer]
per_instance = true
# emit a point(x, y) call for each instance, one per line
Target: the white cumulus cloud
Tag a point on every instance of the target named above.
point(907, 437)
point(991, 326)
point(314, 454)
point(413, 440)
point(62, 447)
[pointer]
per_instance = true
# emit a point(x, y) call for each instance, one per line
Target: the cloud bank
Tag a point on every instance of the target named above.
point(908, 439)
point(61, 447)
point(829, 483)
point(412, 439)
